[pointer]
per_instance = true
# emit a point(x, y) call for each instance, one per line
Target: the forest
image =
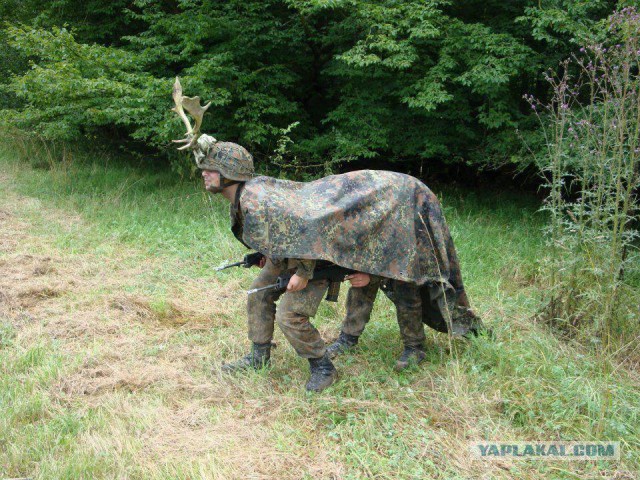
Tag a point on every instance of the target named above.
point(402, 83)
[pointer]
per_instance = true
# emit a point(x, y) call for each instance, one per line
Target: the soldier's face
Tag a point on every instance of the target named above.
point(212, 181)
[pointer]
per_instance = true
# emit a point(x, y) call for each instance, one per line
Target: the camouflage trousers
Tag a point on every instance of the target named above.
point(406, 297)
point(292, 314)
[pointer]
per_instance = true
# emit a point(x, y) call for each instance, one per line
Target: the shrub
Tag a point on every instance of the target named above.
point(592, 170)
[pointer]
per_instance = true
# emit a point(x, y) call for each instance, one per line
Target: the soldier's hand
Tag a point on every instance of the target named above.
point(263, 262)
point(297, 283)
point(359, 279)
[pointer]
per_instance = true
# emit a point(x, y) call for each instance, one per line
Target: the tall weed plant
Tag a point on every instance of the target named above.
point(591, 166)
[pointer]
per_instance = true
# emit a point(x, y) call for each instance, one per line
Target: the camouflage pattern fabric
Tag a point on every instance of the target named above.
point(382, 223)
point(408, 310)
point(359, 306)
point(261, 306)
point(440, 307)
point(233, 161)
point(292, 314)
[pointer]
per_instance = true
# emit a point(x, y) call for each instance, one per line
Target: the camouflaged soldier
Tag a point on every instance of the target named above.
point(224, 170)
point(235, 164)
point(382, 223)
point(225, 167)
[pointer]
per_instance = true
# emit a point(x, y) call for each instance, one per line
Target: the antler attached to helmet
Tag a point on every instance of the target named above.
point(192, 105)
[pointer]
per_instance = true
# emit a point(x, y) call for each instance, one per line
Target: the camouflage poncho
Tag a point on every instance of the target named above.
point(383, 223)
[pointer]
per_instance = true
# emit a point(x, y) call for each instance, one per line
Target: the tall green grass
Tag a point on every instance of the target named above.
point(145, 206)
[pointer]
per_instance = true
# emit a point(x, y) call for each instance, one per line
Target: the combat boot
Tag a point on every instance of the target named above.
point(323, 373)
point(342, 344)
point(412, 355)
point(257, 358)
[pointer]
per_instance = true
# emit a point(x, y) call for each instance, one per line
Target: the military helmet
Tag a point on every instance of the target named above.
point(233, 161)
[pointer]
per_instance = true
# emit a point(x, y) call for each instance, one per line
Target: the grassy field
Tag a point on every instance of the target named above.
point(113, 327)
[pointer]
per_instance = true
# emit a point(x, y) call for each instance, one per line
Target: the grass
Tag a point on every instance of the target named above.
point(113, 326)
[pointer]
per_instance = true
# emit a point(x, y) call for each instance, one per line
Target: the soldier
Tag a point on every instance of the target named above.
point(381, 223)
point(410, 304)
point(225, 170)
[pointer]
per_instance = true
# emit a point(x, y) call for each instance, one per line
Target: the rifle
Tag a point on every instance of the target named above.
point(250, 259)
point(334, 273)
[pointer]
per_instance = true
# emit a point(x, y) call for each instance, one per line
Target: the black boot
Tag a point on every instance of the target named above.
point(256, 359)
point(323, 373)
point(342, 344)
point(411, 355)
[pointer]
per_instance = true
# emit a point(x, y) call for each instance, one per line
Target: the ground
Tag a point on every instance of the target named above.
point(110, 350)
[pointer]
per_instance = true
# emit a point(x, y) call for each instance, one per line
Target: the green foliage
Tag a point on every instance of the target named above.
point(592, 166)
point(565, 21)
point(404, 81)
point(77, 88)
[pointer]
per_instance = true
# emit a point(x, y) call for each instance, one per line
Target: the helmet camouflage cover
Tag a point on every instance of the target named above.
point(233, 161)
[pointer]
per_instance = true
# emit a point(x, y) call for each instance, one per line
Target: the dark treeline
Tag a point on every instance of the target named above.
point(408, 82)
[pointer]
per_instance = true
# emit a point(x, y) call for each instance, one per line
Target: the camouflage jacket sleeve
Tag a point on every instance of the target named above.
point(304, 268)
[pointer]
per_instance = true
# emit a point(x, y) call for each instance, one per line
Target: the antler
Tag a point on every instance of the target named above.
point(177, 98)
point(192, 105)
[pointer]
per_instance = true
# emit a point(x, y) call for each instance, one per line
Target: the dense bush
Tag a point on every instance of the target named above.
point(407, 81)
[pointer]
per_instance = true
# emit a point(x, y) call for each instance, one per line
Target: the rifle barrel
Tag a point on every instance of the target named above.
point(256, 290)
point(237, 264)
